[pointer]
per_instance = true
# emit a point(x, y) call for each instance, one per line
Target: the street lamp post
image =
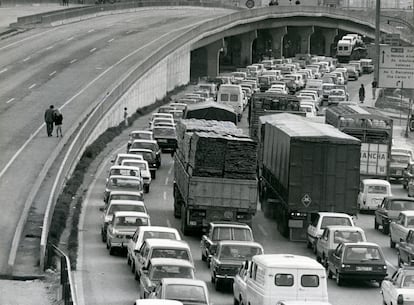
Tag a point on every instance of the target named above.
point(377, 37)
point(400, 82)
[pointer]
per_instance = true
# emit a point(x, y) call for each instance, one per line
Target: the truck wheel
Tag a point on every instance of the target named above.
point(392, 244)
point(376, 225)
point(217, 285)
point(339, 280)
point(184, 228)
point(146, 188)
point(330, 274)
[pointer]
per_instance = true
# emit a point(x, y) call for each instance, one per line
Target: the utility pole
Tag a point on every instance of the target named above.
point(377, 37)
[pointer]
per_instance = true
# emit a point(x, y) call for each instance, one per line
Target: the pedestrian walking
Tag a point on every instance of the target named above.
point(126, 116)
point(58, 119)
point(361, 93)
point(49, 115)
point(374, 85)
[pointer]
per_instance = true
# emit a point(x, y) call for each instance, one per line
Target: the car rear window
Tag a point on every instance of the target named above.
point(377, 189)
point(161, 235)
point(125, 197)
point(187, 293)
point(126, 207)
point(335, 221)
point(161, 272)
point(284, 279)
point(130, 221)
point(309, 280)
point(362, 253)
point(347, 237)
point(232, 234)
point(401, 205)
point(170, 253)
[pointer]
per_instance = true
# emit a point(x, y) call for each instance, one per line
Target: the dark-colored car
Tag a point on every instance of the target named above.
point(223, 230)
point(357, 261)
point(166, 137)
point(229, 257)
point(406, 250)
point(399, 163)
point(148, 156)
point(151, 145)
point(408, 174)
point(389, 210)
point(139, 135)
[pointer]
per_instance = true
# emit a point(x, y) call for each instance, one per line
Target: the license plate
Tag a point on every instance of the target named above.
point(399, 172)
point(162, 141)
point(364, 268)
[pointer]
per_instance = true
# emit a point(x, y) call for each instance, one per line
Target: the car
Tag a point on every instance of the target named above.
point(121, 228)
point(117, 160)
point(229, 257)
point(352, 72)
point(148, 144)
point(367, 65)
point(126, 183)
point(166, 137)
point(159, 268)
point(400, 227)
point(408, 174)
point(142, 234)
point(154, 247)
point(389, 210)
point(332, 236)
point(119, 205)
point(187, 291)
point(405, 250)
point(157, 115)
point(399, 163)
point(149, 156)
point(337, 96)
point(309, 108)
point(357, 261)
point(223, 230)
point(124, 170)
point(240, 283)
point(326, 88)
point(125, 195)
point(399, 289)
point(371, 193)
point(139, 135)
point(319, 221)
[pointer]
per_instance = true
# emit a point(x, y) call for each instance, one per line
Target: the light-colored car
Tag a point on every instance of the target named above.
point(399, 289)
point(126, 183)
point(239, 283)
point(149, 156)
point(142, 234)
point(122, 227)
point(320, 220)
point(389, 210)
point(125, 195)
point(188, 291)
point(332, 236)
point(400, 227)
point(119, 205)
point(159, 268)
point(372, 192)
point(124, 170)
point(337, 96)
point(139, 135)
point(145, 171)
point(309, 108)
point(117, 160)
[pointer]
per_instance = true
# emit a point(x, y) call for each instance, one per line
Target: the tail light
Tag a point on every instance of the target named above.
point(400, 299)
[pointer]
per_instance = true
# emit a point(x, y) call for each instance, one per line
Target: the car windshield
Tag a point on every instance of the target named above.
point(129, 183)
point(377, 189)
point(232, 234)
point(125, 197)
point(362, 253)
point(404, 159)
point(335, 221)
point(336, 92)
point(144, 145)
point(239, 252)
point(146, 155)
point(141, 166)
point(164, 132)
point(126, 207)
point(124, 172)
point(347, 237)
point(170, 253)
point(160, 272)
point(189, 293)
point(141, 136)
point(408, 281)
point(410, 222)
point(160, 235)
point(401, 205)
point(130, 221)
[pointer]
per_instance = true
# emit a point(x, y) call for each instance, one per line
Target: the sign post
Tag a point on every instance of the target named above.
point(396, 66)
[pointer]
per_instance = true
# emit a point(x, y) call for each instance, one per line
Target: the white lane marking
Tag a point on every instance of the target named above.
point(91, 30)
point(73, 61)
point(53, 73)
point(262, 230)
point(10, 100)
point(165, 195)
point(110, 40)
point(170, 170)
point(92, 50)
point(27, 38)
point(32, 86)
point(27, 58)
point(4, 70)
point(168, 223)
point(50, 47)
point(166, 181)
point(70, 38)
point(19, 151)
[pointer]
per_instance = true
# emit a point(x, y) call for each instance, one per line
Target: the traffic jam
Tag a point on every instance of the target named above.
point(283, 138)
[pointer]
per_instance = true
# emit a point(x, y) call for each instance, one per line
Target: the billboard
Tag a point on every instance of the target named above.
point(374, 158)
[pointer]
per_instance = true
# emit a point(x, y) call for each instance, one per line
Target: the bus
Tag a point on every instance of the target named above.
point(373, 128)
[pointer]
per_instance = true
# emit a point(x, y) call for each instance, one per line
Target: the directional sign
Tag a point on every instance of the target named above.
point(306, 200)
point(396, 67)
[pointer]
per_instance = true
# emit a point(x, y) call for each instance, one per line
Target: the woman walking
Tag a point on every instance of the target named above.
point(362, 93)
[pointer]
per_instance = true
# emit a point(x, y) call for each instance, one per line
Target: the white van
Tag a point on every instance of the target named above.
point(276, 277)
point(232, 95)
point(372, 192)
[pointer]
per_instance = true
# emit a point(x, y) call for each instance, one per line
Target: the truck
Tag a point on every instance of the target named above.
point(214, 175)
point(210, 111)
point(350, 47)
point(305, 168)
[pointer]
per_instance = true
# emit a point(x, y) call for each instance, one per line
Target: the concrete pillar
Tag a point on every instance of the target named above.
point(329, 35)
point(213, 57)
point(246, 44)
point(277, 41)
point(305, 35)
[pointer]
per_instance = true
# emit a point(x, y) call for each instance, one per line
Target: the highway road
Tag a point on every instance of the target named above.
point(67, 66)
point(105, 279)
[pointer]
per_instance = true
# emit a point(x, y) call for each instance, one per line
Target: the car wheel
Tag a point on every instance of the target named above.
point(339, 280)
point(146, 188)
point(330, 274)
point(235, 301)
point(128, 260)
point(309, 244)
point(203, 257)
point(213, 278)
point(385, 228)
point(376, 225)
point(217, 285)
point(392, 244)
point(111, 251)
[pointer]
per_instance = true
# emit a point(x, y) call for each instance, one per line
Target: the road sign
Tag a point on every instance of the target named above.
point(392, 39)
point(306, 200)
point(396, 67)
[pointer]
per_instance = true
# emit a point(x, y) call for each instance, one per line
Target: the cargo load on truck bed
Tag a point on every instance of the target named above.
point(211, 111)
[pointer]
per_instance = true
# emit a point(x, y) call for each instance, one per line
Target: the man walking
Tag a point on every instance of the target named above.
point(361, 93)
point(374, 85)
point(49, 116)
point(126, 116)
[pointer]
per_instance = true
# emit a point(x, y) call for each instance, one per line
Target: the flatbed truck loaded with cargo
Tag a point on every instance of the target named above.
point(214, 174)
point(304, 168)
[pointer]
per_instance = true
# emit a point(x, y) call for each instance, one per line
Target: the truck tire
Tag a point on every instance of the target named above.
point(376, 225)
point(392, 244)
point(184, 227)
point(177, 202)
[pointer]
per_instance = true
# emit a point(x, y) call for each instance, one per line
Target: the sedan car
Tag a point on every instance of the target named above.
point(399, 289)
point(187, 291)
point(336, 96)
point(399, 163)
point(126, 183)
point(145, 171)
point(228, 259)
point(357, 261)
point(139, 135)
point(149, 156)
point(400, 227)
point(159, 268)
point(151, 145)
point(223, 230)
point(389, 210)
point(406, 250)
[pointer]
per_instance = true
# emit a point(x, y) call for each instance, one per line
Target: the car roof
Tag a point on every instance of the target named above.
point(156, 302)
point(344, 228)
point(362, 244)
point(127, 155)
point(154, 242)
point(126, 167)
point(287, 261)
point(130, 213)
point(141, 131)
point(178, 281)
point(144, 141)
point(127, 202)
point(239, 243)
point(158, 229)
point(170, 261)
point(140, 150)
point(135, 161)
point(376, 182)
point(228, 224)
point(408, 213)
point(121, 192)
point(124, 177)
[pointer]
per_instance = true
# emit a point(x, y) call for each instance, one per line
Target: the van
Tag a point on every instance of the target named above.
point(232, 95)
point(371, 193)
point(277, 277)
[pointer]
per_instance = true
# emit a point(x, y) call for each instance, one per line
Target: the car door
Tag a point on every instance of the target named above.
point(334, 260)
point(406, 248)
point(321, 243)
point(206, 241)
point(398, 228)
point(380, 213)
